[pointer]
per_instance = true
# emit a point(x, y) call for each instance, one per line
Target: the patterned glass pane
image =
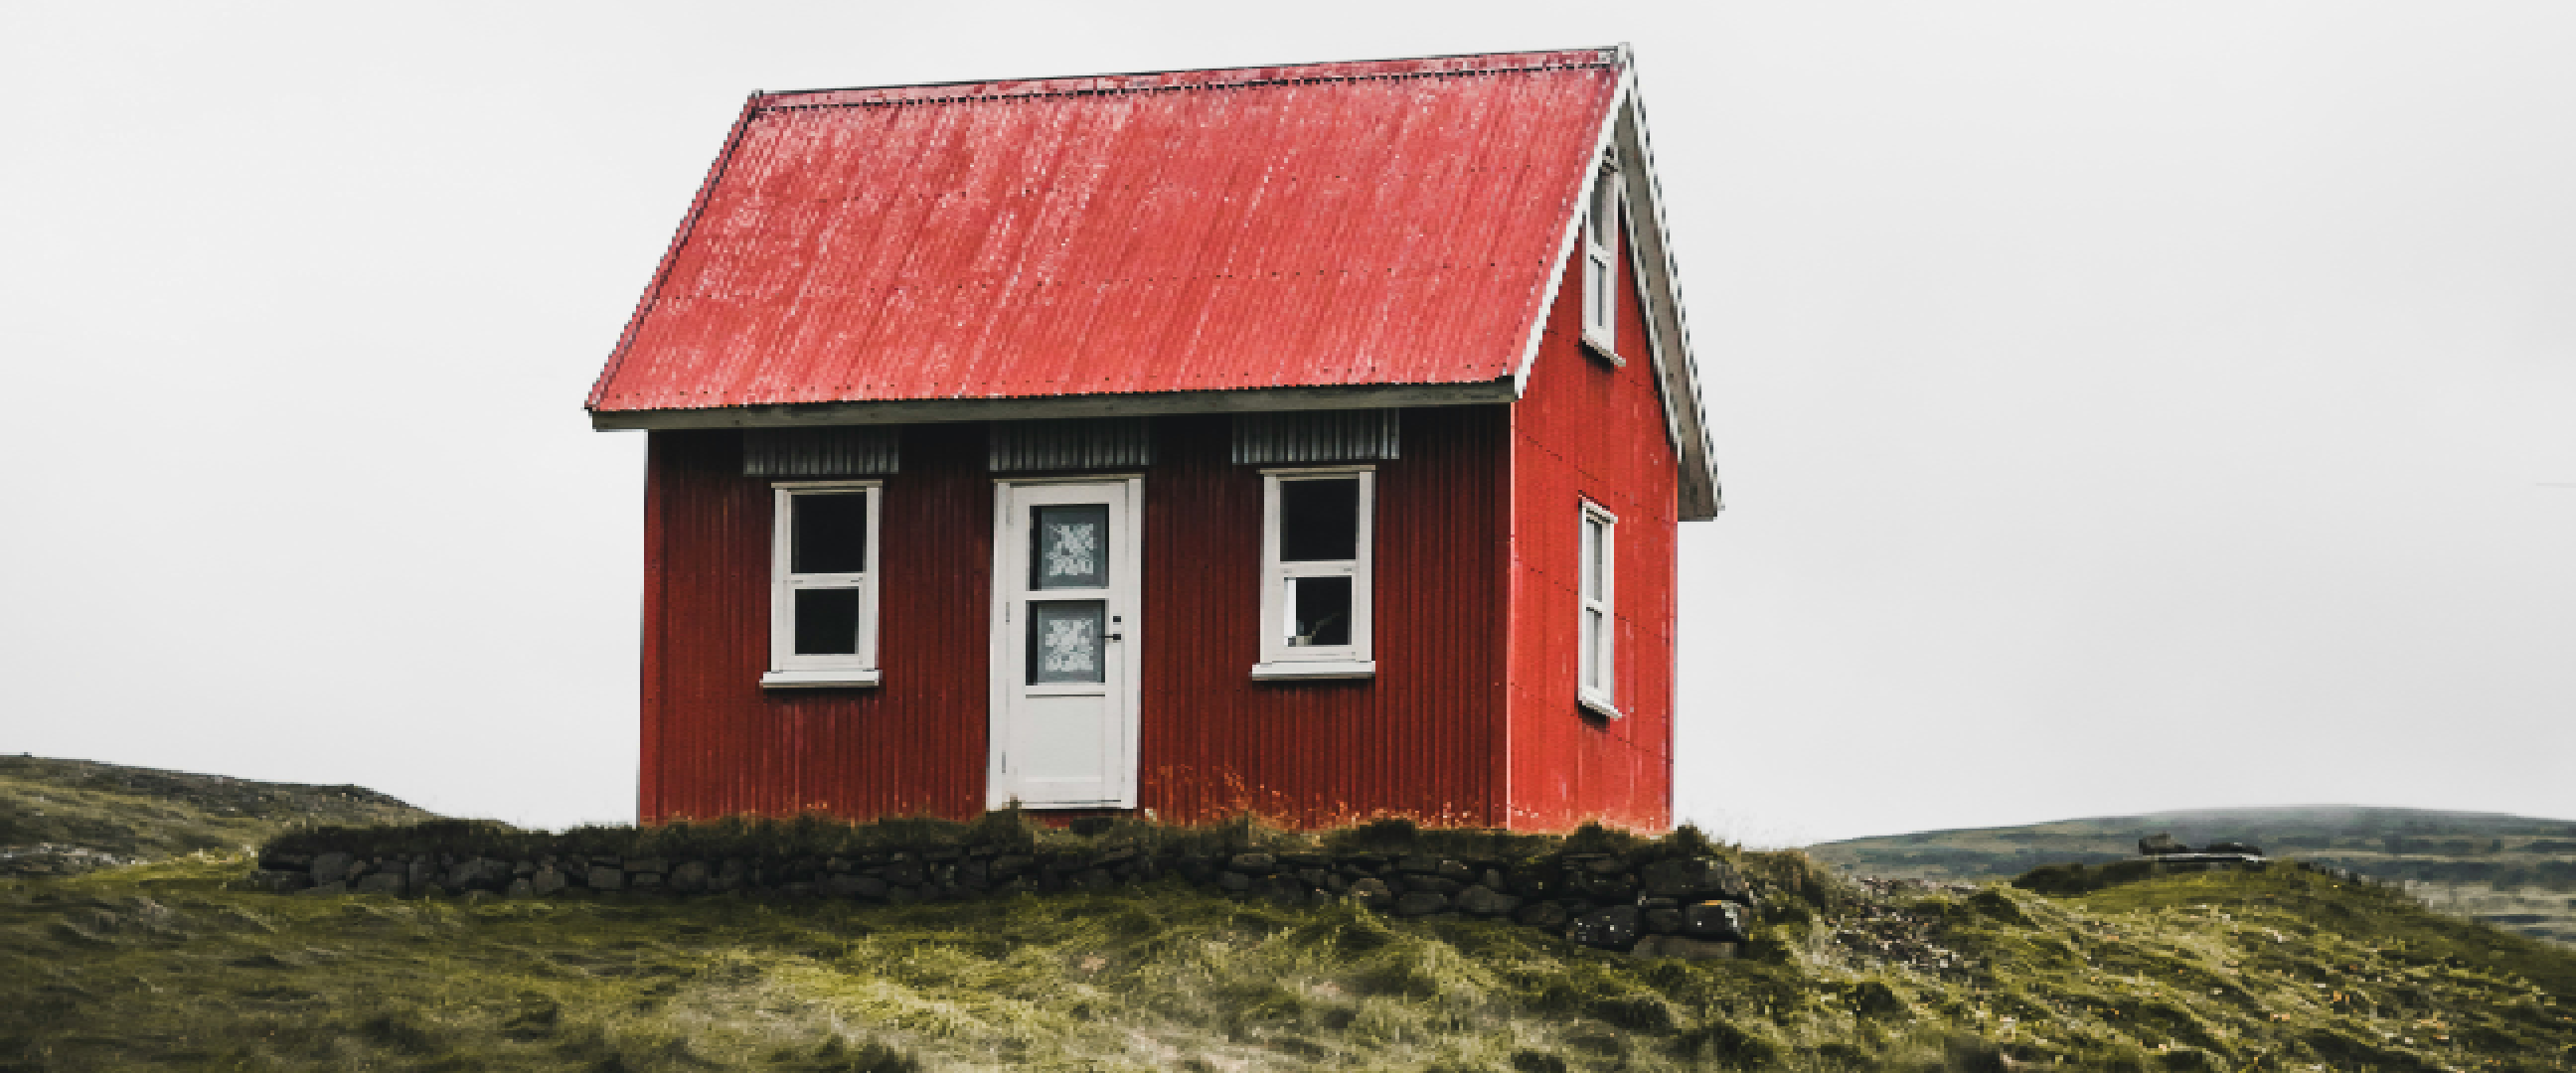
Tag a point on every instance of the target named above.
point(1069, 547)
point(1065, 640)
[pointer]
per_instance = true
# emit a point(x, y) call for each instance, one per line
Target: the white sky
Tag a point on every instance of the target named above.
point(2122, 406)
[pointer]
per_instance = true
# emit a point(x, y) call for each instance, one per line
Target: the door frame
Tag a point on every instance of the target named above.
point(1126, 566)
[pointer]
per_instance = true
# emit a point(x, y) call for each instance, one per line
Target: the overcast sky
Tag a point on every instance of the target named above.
point(2121, 406)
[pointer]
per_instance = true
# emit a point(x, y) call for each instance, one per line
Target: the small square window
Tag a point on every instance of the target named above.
point(1316, 573)
point(822, 585)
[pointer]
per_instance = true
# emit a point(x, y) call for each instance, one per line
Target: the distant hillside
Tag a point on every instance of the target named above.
point(2514, 871)
point(62, 817)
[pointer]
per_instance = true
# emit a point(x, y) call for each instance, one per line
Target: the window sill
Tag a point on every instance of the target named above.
point(1604, 350)
point(819, 680)
point(1600, 705)
point(1314, 669)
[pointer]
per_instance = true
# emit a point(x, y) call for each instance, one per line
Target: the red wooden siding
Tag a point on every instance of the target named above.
point(1584, 429)
point(715, 742)
point(1423, 738)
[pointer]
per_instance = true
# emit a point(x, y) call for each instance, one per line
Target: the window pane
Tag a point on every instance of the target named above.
point(1064, 641)
point(1319, 520)
point(1592, 534)
point(1592, 626)
point(829, 534)
point(1323, 612)
point(827, 622)
point(1069, 547)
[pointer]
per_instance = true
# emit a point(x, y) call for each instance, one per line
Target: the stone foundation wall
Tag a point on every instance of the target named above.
point(1645, 903)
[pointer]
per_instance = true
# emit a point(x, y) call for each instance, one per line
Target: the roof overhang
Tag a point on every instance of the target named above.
point(1667, 327)
point(927, 411)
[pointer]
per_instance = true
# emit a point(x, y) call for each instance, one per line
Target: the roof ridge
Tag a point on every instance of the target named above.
point(1489, 63)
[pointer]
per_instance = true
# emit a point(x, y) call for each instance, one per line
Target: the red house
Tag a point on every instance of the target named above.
point(1308, 439)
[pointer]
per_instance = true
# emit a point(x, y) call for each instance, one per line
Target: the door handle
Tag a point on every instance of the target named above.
point(1117, 637)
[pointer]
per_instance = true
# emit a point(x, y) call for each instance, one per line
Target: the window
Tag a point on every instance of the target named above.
point(823, 585)
point(1316, 532)
point(1597, 673)
point(1600, 266)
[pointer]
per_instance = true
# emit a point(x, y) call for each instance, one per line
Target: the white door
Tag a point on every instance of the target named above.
point(1064, 644)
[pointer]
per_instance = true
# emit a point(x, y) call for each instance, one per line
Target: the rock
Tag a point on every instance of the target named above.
point(421, 871)
point(1717, 921)
point(1417, 864)
point(330, 868)
point(1435, 884)
point(690, 877)
point(1547, 915)
point(1011, 864)
point(1615, 928)
point(1256, 864)
point(1660, 919)
point(523, 869)
point(1280, 889)
point(1414, 903)
point(1335, 883)
point(868, 887)
point(1371, 893)
point(1456, 870)
point(1234, 882)
point(1313, 877)
point(548, 881)
point(605, 879)
point(1678, 946)
point(1605, 866)
point(1484, 901)
point(1089, 826)
point(1097, 880)
point(905, 873)
point(477, 874)
point(521, 887)
point(644, 880)
point(1694, 879)
point(381, 883)
point(2159, 845)
point(2233, 847)
point(333, 887)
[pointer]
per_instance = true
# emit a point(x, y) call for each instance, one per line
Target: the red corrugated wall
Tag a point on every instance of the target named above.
point(1423, 738)
point(1583, 429)
point(716, 743)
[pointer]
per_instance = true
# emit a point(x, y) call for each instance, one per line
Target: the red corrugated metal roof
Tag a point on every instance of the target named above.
point(1387, 222)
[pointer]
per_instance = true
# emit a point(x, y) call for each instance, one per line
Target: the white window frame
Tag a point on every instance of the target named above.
point(787, 669)
point(1601, 264)
point(1597, 669)
point(1279, 659)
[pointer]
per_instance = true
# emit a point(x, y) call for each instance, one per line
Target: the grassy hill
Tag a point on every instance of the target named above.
point(61, 817)
point(2512, 871)
point(170, 964)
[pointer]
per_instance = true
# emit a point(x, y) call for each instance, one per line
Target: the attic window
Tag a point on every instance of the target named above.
point(1600, 263)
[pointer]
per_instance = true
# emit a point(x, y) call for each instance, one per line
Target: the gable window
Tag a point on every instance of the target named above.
point(1597, 671)
point(1317, 526)
point(823, 584)
point(1600, 264)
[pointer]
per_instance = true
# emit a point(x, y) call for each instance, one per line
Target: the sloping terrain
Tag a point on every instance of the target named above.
point(63, 817)
point(162, 965)
point(178, 964)
point(2515, 872)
